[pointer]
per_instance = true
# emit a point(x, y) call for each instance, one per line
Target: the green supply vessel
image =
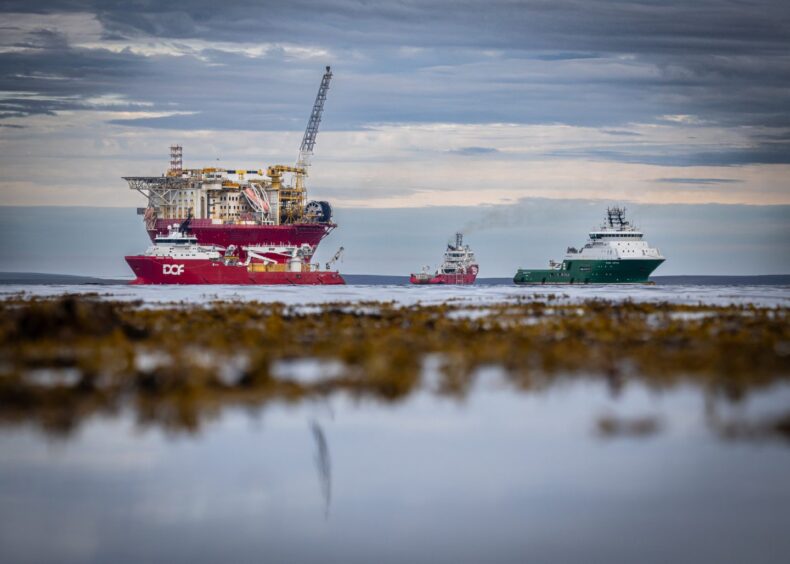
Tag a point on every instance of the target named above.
point(614, 254)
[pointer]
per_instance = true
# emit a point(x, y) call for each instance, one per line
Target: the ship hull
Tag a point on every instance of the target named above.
point(624, 271)
point(455, 279)
point(160, 270)
point(241, 235)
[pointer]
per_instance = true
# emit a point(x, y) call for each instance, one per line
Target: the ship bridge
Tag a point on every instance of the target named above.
point(616, 235)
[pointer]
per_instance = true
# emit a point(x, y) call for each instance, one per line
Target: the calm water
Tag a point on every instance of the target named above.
point(501, 476)
point(765, 295)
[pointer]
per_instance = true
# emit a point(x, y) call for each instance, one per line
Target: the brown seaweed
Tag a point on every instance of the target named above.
point(62, 360)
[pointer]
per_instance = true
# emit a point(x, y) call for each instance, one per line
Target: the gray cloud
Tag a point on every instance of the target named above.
point(698, 180)
point(568, 26)
point(762, 153)
point(474, 151)
point(600, 64)
point(621, 132)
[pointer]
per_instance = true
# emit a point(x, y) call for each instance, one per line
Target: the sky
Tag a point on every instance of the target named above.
point(707, 239)
point(432, 104)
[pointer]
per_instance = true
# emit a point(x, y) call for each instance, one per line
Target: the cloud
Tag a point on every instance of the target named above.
point(714, 62)
point(204, 49)
point(698, 180)
point(621, 132)
point(525, 86)
point(474, 151)
point(33, 34)
point(684, 119)
point(79, 158)
point(699, 156)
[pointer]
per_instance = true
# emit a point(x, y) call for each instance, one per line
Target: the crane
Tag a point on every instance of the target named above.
point(333, 260)
point(308, 141)
point(291, 197)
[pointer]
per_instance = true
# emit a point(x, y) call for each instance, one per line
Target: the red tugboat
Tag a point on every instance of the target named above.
point(177, 258)
point(459, 266)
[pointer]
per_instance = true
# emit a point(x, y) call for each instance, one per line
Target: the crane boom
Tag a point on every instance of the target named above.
point(308, 141)
point(334, 259)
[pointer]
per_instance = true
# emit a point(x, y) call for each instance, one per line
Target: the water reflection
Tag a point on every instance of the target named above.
point(495, 477)
point(774, 425)
point(323, 464)
point(180, 403)
point(610, 426)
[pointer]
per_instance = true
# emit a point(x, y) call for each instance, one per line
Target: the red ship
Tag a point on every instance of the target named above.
point(245, 208)
point(459, 266)
point(224, 235)
point(178, 258)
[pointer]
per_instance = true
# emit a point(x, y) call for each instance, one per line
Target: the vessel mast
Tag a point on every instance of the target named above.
point(176, 160)
point(615, 217)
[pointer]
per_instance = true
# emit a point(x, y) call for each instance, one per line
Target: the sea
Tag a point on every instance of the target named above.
point(576, 471)
point(765, 291)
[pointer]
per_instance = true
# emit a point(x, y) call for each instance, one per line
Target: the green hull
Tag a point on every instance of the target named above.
point(626, 271)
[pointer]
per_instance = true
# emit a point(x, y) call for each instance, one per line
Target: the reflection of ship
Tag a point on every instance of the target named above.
point(614, 254)
point(241, 207)
point(178, 258)
point(459, 266)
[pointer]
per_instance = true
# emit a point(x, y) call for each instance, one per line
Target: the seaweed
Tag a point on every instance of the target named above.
point(65, 359)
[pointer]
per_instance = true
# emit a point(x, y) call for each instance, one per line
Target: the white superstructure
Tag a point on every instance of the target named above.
point(458, 258)
point(179, 244)
point(616, 239)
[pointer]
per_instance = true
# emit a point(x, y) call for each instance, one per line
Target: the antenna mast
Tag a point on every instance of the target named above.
point(308, 141)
